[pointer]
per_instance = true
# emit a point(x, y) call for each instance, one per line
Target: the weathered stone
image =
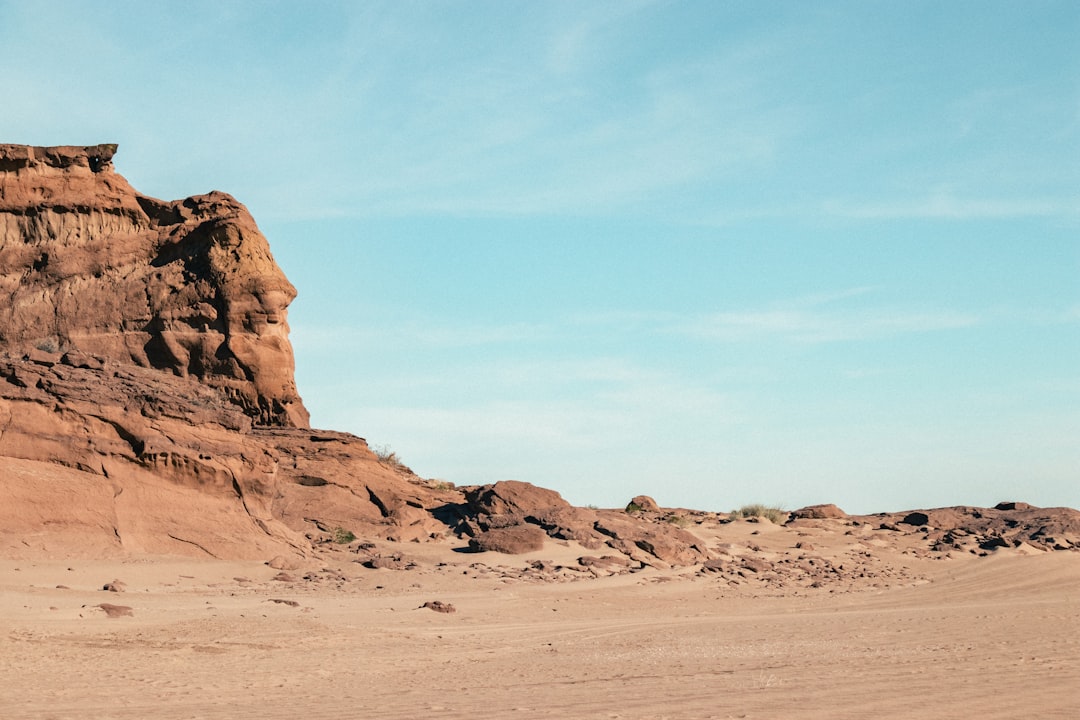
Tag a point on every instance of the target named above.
point(90, 266)
point(604, 561)
point(1013, 506)
point(916, 518)
point(756, 565)
point(116, 611)
point(660, 541)
point(513, 540)
point(816, 512)
point(513, 497)
point(643, 503)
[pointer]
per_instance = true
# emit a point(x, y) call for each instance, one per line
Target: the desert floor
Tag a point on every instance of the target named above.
point(963, 637)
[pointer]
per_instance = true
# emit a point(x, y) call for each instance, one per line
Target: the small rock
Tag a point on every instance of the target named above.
point(756, 565)
point(290, 603)
point(115, 611)
point(439, 606)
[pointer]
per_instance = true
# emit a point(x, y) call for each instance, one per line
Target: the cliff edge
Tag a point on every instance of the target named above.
point(189, 287)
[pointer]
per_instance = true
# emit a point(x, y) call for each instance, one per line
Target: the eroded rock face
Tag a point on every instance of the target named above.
point(512, 517)
point(1010, 524)
point(87, 264)
point(99, 458)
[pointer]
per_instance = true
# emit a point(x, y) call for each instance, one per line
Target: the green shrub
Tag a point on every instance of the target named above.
point(677, 520)
point(343, 536)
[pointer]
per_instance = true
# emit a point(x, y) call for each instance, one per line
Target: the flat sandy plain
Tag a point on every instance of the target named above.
point(919, 636)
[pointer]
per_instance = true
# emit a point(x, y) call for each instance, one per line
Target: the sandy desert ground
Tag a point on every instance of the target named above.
point(905, 635)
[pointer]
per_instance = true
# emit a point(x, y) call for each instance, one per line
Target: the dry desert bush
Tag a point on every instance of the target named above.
point(772, 513)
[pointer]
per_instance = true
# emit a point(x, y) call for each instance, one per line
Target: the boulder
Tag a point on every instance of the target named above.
point(916, 519)
point(643, 503)
point(1013, 506)
point(514, 498)
point(818, 512)
point(515, 540)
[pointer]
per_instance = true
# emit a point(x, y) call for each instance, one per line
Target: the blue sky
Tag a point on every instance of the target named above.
point(715, 252)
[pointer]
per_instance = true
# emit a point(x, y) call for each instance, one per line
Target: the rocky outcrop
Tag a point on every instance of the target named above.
point(818, 512)
point(510, 516)
point(977, 530)
point(147, 400)
point(514, 540)
point(101, 458)
point(89, 265)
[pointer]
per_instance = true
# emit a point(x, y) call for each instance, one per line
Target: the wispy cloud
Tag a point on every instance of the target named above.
point(816, 327)
point(338, 338)
point(819, 319)
point(947, 207)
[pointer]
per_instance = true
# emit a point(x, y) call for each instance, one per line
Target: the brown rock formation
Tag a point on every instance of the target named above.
point(974, 529)
point(87, 264)
point(642, 503)
point(147, 401)
point(97, 457)
point(818, 512)
point(513, 540)
point(506, 516)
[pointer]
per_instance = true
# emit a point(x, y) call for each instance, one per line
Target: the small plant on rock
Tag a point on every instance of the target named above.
point(388, 457)
point(343, 536)
point(677, 520)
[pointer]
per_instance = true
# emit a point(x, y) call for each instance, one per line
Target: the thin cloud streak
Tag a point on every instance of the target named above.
point(950, 208)
point(813, 327)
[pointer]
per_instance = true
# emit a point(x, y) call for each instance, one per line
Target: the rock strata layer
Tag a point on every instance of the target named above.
point(189, 287)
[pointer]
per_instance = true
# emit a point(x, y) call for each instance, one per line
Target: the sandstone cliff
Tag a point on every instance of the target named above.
point(88, 264)
point(147, 399)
